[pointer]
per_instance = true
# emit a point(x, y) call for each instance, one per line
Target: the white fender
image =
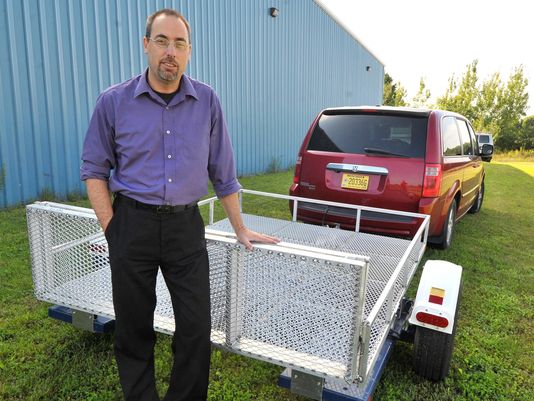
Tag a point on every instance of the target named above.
point(437, 295)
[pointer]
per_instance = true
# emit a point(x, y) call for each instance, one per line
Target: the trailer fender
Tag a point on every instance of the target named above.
point(437, 295)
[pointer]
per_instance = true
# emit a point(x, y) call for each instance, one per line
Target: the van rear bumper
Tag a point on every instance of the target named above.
point(373, 222)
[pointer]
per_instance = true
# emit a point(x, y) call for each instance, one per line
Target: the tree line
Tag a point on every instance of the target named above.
point(494, 106)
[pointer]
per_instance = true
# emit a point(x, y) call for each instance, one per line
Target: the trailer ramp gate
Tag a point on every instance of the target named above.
point(304, 303)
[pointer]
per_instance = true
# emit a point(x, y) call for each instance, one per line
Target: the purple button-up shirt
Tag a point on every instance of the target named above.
point(159, 153)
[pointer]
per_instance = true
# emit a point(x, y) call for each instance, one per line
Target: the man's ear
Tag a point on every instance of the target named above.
point(145, 44)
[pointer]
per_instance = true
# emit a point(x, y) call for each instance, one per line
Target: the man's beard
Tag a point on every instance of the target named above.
point(168, 76)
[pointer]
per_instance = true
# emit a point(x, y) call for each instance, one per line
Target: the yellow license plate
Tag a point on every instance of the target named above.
point(355, 181)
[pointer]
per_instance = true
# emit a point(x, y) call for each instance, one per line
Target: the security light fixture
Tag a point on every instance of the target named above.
point(273, 12)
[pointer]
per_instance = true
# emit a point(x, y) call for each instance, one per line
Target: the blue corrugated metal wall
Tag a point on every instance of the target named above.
point(273, 76)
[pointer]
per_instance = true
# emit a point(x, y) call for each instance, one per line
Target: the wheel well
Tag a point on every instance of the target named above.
point(457, 198)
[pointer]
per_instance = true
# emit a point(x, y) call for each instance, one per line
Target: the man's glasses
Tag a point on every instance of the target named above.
point(164, 43)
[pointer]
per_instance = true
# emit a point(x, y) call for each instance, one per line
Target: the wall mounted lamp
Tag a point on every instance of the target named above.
point(273, 12)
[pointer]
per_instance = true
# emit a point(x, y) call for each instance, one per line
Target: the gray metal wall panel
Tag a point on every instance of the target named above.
point(273, 76)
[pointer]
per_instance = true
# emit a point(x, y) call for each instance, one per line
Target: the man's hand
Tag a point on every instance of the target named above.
point(247, 237)
point(100, 198)
point(244, 235)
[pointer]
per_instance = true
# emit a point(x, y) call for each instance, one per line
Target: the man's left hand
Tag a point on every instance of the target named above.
point(247, 237)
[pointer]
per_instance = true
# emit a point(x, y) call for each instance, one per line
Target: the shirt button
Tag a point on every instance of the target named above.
point(167, 132)
point(170, 179)
point(169, 156)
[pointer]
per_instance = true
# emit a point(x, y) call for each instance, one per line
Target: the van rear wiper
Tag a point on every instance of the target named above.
point(383, 152)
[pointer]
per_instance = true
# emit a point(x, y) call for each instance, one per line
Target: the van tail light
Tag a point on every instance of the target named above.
point(432, 182)
point(434, 320)
point(298, 164)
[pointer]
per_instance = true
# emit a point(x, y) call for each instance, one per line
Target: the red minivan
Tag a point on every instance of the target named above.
point(414, 160)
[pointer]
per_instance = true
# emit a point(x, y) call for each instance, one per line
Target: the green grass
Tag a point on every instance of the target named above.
point(515, 155)
point(43, 359)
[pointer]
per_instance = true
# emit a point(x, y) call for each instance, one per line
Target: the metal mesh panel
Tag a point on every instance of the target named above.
point(380, 327)
point(279, 306)
point(282, 304)
point(69, 258)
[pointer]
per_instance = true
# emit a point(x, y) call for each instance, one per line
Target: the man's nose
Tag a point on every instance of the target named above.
point(170, 50)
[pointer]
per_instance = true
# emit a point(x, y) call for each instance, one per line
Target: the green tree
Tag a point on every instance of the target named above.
point(512, 106)
point(488, 105)
point(461, 96)
point(421, 99)
point(526, 138)
point(494, 107)
point(394, 93)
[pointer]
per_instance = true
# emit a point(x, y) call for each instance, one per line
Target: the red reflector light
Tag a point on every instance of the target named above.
point(436, 295)
point(434, 320)
point(435, 299)
point(432, 182)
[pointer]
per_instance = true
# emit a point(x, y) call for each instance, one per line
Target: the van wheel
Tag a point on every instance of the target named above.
point(478, 203)
point(432, 350)
point(445, 239)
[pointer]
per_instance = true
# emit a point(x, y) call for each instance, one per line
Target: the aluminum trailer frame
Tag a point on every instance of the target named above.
point(273, 303)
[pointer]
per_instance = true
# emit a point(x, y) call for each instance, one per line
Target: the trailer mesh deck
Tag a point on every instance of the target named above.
point(302, 304)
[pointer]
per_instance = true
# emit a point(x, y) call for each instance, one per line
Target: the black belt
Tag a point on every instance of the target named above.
point(155, 208)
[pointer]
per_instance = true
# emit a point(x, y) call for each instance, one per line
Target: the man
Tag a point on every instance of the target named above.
point(163, 134)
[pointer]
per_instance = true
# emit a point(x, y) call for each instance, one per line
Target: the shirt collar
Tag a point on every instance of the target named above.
point(186, 88)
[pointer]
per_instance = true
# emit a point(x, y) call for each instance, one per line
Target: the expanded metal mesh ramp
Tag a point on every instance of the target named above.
point(321, 301)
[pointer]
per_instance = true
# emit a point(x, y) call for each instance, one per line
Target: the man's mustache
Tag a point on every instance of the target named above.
point(170, 61)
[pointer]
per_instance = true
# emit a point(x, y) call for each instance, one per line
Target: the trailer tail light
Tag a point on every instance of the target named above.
point(434, 320)
point(432, 182)
point(436, 296)
point(298, 164)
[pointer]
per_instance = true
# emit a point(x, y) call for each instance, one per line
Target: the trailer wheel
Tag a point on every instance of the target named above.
point(432, 353)
point(432, 350)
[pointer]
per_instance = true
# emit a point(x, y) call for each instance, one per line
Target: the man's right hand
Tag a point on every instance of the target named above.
point(100, 198)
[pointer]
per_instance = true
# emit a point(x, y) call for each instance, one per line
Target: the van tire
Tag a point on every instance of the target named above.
point(432, 350)
point(444, 241)
point(478, 202)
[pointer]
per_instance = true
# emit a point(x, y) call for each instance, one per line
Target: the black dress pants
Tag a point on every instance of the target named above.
point(141, 241)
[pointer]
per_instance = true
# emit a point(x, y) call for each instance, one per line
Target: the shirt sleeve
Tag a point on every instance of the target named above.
point(221, 164)
point(98, 156)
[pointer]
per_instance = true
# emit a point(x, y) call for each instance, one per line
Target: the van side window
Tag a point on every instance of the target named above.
point(451, 139)
point(467, 144)
point(474, 139)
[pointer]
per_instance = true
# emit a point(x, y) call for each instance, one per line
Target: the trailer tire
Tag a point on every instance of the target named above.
point(432, 350)
point(432, 353)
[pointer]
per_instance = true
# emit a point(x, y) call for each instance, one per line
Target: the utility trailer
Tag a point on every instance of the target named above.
point(326, 304)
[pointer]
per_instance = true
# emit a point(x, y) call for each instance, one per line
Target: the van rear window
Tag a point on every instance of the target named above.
point(360, 133)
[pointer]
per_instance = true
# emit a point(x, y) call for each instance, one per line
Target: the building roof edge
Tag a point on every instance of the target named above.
point(325, 8)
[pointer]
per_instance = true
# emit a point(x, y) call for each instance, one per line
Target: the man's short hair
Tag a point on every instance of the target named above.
point(170, 12)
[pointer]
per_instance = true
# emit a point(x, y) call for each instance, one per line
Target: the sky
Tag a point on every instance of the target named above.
point(433, 40)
